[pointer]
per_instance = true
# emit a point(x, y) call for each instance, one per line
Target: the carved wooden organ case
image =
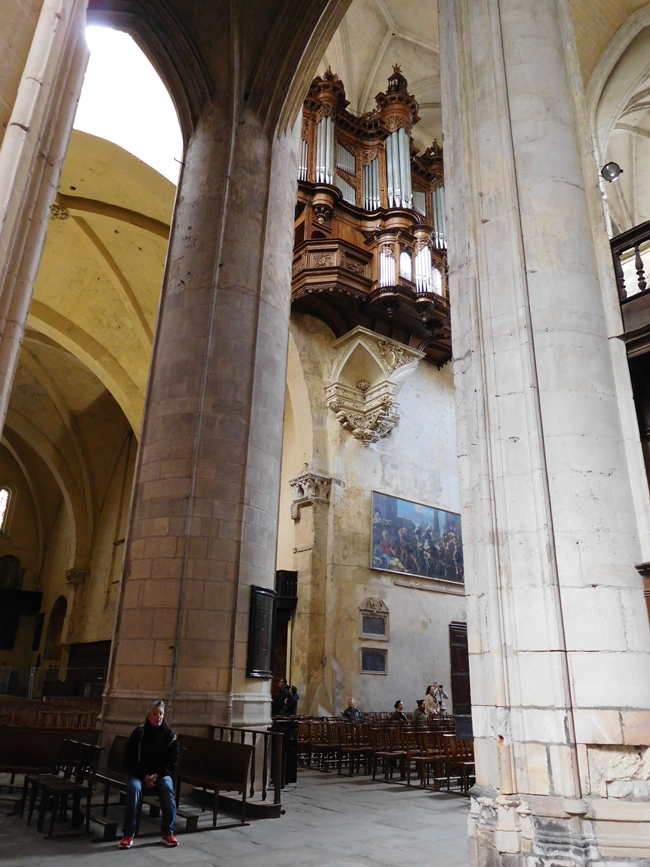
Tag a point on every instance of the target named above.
point(370, 242)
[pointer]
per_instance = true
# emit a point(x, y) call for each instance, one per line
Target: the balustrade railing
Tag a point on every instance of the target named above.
point(630, 251)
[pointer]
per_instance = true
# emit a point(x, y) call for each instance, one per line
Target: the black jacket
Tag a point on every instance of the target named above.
point(290, 706)
point(351, 713)
point(151, 750)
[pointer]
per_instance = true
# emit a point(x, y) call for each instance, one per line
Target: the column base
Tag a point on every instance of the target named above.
point(189, 713)
point(546, 831)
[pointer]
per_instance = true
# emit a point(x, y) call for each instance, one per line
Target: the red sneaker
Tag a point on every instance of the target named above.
point(126, 842)
point(170, 840)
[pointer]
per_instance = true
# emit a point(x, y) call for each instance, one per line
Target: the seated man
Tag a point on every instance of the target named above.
point(351, 712)
point(150, 759)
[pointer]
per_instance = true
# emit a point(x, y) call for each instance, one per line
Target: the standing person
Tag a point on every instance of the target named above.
point(439, 696)
point(150, 759)
point(398, 714)
point(291, 702)
point(351, 712)
point(277, 706)
point(430, 703)
point(420, 714)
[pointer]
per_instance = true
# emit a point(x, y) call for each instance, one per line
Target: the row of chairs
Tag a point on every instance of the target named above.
point(433, 754)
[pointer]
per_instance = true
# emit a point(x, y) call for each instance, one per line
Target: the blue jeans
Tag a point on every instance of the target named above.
point(165, 789)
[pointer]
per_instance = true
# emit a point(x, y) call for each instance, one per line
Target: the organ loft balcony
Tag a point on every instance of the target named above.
point(370, 242)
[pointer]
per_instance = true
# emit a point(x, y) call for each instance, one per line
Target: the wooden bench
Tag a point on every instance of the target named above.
point(217, 766)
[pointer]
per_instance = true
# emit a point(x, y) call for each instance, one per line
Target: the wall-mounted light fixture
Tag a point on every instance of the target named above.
point(611, 172)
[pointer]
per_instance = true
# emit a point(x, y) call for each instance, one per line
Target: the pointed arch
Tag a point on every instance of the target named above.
point(169, 48)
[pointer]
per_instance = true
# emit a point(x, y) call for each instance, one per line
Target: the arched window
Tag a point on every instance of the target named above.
point(6, 502)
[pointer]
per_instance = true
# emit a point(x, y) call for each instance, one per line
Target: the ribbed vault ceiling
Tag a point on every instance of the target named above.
point(374, 35)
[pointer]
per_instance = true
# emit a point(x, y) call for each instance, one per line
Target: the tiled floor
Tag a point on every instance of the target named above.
point(330, 821)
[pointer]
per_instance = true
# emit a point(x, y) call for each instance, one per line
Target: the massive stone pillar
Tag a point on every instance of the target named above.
point(204, 517)
point(32, 151)
point(553, 516)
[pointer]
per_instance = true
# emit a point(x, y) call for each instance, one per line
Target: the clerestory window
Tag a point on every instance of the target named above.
point(6, 495)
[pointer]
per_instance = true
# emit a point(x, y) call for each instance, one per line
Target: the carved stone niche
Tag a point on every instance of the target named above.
point(367, 373)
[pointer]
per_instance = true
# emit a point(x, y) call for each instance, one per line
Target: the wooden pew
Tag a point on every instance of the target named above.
point(214, 765)
point(32, 750)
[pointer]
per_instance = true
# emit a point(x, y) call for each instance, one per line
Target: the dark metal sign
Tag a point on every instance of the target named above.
point(260, 632)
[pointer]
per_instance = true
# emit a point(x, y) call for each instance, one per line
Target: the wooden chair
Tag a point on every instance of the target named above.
point(462, 762)
point(352, 744)
point(304, 742)
point(388, 748)
point(431, 756)
point(64, 766)
point(56, 792)
point(324, 743)
point(413, 747)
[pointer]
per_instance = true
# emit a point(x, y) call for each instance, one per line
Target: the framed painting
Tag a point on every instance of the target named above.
point(414, 539)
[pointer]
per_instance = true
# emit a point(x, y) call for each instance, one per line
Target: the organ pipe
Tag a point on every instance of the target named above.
point(303, 163)
point(371, 185)
point(405, 265)
point(345, 160)
point(398, 170)
point(386, 268)
point(349, 193)
point(325, 151)
point(439, 218)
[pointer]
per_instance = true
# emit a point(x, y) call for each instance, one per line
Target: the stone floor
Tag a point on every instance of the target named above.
point(330, 821)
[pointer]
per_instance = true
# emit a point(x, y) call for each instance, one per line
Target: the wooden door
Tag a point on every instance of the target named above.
point(460, 691)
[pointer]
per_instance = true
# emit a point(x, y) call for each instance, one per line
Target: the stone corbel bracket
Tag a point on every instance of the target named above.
point(309, 489)
point(367, 373)
point(76, 577)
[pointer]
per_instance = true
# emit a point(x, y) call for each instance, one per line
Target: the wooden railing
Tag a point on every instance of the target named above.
point(37, 714)
point(623, 246)
point(267, 757)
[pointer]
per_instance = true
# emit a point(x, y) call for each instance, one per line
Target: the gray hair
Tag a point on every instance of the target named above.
point(160, 703)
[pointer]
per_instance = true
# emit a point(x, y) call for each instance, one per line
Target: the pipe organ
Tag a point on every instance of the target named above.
point(370, 240)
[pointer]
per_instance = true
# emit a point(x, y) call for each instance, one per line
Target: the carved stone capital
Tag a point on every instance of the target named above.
point(309, 489)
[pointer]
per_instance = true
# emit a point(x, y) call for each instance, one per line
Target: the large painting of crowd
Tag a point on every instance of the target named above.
point(416, 539)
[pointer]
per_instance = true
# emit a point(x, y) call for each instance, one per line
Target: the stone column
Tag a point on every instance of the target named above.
point(559, 638)
point(204, 517)
point(31, 159)
point(310, 665)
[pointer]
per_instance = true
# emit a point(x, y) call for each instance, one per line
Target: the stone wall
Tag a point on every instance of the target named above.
point(330, 545)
